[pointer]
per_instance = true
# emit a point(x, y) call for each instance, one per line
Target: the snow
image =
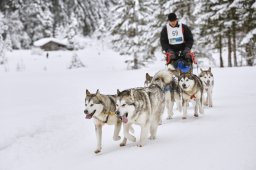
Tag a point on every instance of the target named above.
point(42, 124)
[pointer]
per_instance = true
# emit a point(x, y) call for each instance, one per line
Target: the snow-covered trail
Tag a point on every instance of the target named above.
point(42, 125)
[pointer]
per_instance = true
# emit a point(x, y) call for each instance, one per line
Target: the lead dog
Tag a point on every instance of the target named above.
point(102, 109)
point(208, 81)
point(141, 106)
point(192, 90)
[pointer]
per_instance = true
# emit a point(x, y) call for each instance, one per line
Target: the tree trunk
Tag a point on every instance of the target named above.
point(229, 48)
point(135, 62)
point(220, 48)
point(234, 36)
point(249, 57)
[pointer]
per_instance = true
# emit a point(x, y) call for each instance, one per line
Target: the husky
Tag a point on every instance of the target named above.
point(192, 90)
point(208, 81)
point(175, 91)
point(102, 109)
point(168, 81)
point(141, 106)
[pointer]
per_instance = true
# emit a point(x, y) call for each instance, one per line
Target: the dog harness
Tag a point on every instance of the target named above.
point(192, 97)
point(108, 114)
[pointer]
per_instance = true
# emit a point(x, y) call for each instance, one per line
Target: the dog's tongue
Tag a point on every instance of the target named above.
point(88, 116)
point(124, 119)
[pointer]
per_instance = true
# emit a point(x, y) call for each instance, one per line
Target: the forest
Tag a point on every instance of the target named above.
point(133, 26)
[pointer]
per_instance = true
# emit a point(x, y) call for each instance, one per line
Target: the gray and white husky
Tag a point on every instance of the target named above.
point(102, 109)
point(168, 81)
point(208, 81)
point(192, 90)
point(141, 106)
point(175, 91)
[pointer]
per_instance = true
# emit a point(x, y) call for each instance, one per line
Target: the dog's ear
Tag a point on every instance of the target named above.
point(201, 70)
point(97, 92)
point(118, 92)
point(148, 77)
point(190, 76)
point(209, 69)
point(131, 93)
point(87, 92)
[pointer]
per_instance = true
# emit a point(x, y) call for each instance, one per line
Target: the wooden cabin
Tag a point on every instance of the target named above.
point(50, 44)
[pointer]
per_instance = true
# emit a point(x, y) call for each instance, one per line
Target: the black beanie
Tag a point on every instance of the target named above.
point(172, 17)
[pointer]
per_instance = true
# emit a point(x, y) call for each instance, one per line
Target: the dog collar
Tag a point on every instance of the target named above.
point(109, 113)
point(167, 88)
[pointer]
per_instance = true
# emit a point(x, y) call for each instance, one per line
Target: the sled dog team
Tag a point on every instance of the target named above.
point(144, 106)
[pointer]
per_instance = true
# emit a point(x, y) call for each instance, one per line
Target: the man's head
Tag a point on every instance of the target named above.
point(172, 18)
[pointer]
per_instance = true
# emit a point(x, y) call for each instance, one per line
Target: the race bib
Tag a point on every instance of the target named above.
point(175, 35)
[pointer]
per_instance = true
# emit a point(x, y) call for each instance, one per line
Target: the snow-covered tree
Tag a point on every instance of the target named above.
point(130, 28)
point(3, 28)
point(37, 19)
point(210, 26)
point(248, 26)
point(75, 62)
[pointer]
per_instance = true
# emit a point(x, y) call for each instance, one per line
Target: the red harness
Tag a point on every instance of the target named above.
point(192, 97)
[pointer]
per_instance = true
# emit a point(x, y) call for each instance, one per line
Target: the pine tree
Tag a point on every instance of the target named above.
point(3, 29)
point(37, 19)
point(248, 21)
point(76, 62)
point(130, 28)
point(210, 28)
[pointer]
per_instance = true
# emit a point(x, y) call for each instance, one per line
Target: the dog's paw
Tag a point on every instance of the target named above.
point(97, 151)
point(160, 122)
point(133, 139)
point(140, 145)
point(184, 117)
point(152, 137)
point(122, 144)
point(168, 118)
point(116, 138)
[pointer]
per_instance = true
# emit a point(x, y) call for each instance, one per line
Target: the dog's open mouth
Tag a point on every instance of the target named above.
point(89, 116)
point(124, 118)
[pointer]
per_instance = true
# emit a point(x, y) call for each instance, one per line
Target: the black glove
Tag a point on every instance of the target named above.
point(186, 52)
point(187, 56)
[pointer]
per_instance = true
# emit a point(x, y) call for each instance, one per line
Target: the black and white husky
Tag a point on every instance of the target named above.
point(192, 90)
point(208, 81)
